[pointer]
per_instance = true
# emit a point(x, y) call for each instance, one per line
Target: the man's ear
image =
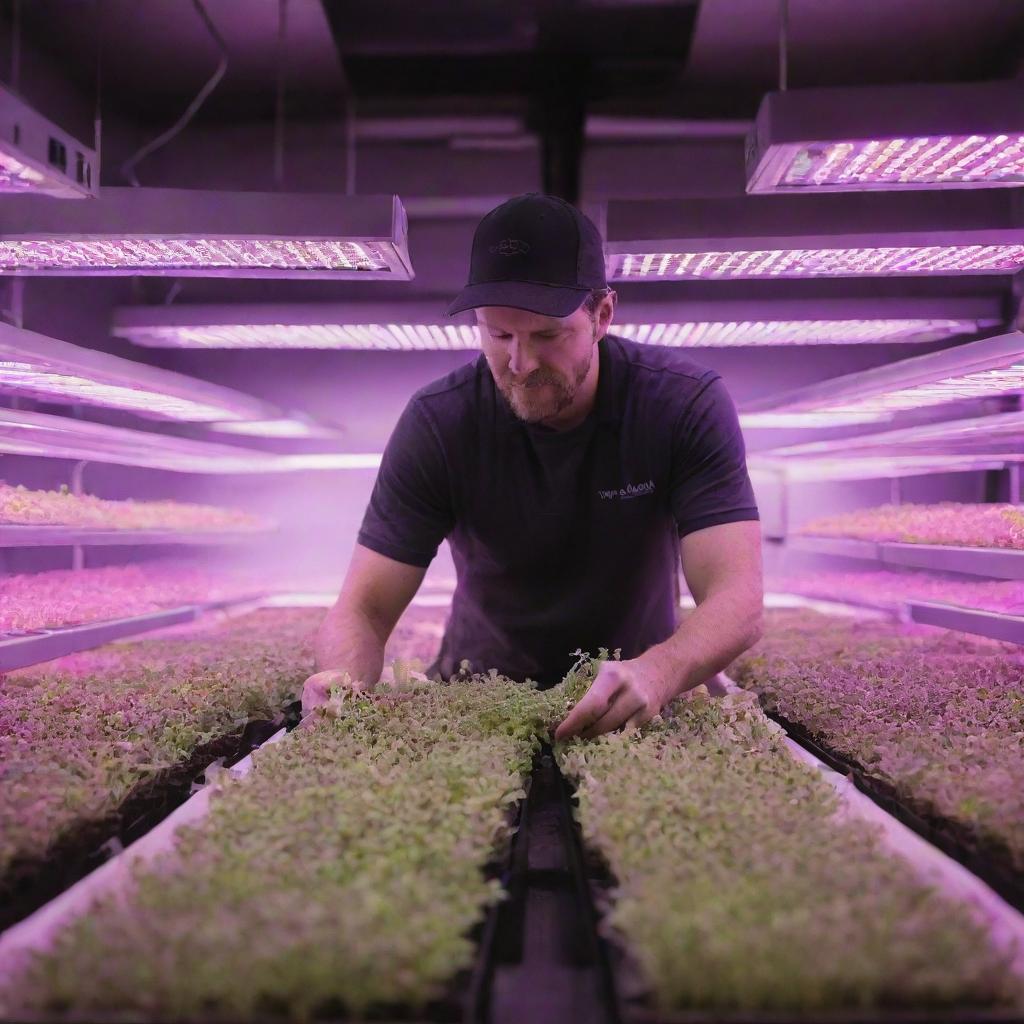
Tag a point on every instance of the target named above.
point(606, 313)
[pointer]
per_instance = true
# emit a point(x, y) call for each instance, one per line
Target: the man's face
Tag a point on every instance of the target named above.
point(538, 362)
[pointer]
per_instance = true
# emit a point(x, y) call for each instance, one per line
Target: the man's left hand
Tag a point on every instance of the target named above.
point(623, 693)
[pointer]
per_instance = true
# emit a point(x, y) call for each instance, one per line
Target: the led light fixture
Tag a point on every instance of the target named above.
point(38, 158)
point(821, 236)
point(786, 420)
point(965, 135)
point(59, 437)
point(48, 370)
point(289, 426)
point(192, 233)
point(402, 326)
point(815, 470)
point(708, 334)
point(1000, 436)
point(979, 369)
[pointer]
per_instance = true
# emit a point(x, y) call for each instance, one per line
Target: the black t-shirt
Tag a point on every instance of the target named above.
point(561, 539)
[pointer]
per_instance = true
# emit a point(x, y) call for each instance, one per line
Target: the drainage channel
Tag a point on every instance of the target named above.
point(547, 960)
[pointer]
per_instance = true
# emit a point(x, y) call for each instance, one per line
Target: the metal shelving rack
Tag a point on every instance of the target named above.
point(993, 563)
point(18, 536)
point(21, 648)
point(992, 442)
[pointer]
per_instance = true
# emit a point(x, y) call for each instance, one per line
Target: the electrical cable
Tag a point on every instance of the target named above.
point(128, 167)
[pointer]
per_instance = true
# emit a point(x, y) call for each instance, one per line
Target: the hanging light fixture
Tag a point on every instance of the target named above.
point(923, 136)
point(989, 368)
point(407, 326)
point(772, 237)
point(37, 158)
point(196, 233)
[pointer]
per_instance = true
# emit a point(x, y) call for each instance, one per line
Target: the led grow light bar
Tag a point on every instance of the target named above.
point(421, 325)
point(852, 468)
point(888, 137)
point(293, 426)
point(38, 158)
point(31, 433)
point(792, 332)
point(36, 366)
point(980, 369)
point(192, 233)
point(822, 236)
point(1000, 436)
point(785, 420)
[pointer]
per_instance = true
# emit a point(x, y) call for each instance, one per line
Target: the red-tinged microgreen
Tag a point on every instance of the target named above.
point(949, 522)
point(889, 589)
point(345, 870)
point(19, 505)
point(937, 714)
point(77, 736)
point(737, 888)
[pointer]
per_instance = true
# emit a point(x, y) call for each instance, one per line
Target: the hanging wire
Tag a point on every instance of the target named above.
point(783, 44)
point(282, 63)
point(128, 167)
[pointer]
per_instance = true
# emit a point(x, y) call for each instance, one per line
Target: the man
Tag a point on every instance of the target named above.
point(569, 470)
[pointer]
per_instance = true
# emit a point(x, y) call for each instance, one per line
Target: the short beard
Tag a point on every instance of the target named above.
point(521, 399)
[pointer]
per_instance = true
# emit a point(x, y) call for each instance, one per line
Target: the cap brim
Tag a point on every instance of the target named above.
point(545, 299)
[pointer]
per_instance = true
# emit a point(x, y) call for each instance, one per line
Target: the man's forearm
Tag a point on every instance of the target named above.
point(349, 641)
point(725, 624)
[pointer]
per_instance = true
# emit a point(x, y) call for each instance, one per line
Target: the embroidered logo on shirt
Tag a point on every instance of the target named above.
point(629, 491)
point(511, 247)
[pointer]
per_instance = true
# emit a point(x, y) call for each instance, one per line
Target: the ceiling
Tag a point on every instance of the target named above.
point(541, 65)
point(684, 57)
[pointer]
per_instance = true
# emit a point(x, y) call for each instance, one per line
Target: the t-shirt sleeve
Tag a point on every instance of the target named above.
point(709, 482)
point(410, 509)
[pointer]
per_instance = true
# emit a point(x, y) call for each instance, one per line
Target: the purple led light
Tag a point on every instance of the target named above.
point(792, 332)
point(854, 467)
point(325, 336)
point(125, 254)
point(276, 428)
point(843, 262)
point(18, 177)
point(27, 380)
point(461, 337)
point(824, 418)
point(979, 384)
point(934, 160)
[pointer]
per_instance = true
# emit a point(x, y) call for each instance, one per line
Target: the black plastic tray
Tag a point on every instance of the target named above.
point(632, 995)
point(989, 860)
point(29, 883)
point(465, 1000)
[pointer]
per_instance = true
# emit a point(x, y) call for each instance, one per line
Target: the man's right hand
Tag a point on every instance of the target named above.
point(317, 688)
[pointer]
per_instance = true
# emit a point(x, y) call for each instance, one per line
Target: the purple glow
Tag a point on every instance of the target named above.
point(29, 380)
point(979, 384)
point(841, 262)
point(276, 428)
point(757, 420)
point(326, 336)
point(855, 467)
point(924, 160)
point(18, 177)
point(793, 332)
point(140, 254)
point(410, 337)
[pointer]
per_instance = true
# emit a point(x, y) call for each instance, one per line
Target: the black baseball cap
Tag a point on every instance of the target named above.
point(534, 252)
